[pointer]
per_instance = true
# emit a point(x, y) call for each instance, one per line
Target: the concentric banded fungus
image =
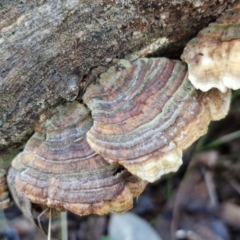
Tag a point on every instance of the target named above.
point(213, 57)
point(4, 197)
point(146, 112)
point(19, 199)
point(59, 170)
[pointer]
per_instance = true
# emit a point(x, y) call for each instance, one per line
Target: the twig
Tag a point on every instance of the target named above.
point(233, 183)
point(64, 230)
point(50, 224)
point(39, 220)
point(210, 187)
point(3, 221)
point(225, 139)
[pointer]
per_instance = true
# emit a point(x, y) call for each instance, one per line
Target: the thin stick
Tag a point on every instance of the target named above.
point(210, 187)
point(38, 219)
point(64, 230)
point(3, 222)
point(233, 183)
point(225, 139)
point(50, 224)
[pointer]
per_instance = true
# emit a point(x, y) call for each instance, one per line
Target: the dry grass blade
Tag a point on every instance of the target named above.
point(225, 139)
point(210, 187)
point(39, 219)
point(64, 229)
point(50, 224)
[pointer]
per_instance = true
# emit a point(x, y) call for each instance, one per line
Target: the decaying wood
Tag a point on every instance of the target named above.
point(48, 48)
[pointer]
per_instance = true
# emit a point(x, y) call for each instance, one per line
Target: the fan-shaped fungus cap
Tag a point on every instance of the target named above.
point(213, 57)
point(146, 112)
point(4, 196)
point(20, 200)
point(59, 170)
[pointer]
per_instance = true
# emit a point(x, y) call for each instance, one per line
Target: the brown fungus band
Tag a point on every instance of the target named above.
point(57, 168)
point(213, 57)
point(146, 112)
point(4, 195)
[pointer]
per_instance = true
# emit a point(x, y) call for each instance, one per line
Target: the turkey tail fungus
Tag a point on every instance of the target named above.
point(146, 112)
point(59, 170)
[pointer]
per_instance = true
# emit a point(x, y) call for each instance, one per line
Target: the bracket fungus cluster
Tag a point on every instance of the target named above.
point(146, 112)
point(142, 115)
point(59, 170)
point(213, 57)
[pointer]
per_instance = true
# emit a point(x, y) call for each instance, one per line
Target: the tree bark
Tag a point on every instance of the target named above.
point(49, 48)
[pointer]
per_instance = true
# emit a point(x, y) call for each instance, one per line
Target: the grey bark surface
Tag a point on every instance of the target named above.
point(49, 48)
